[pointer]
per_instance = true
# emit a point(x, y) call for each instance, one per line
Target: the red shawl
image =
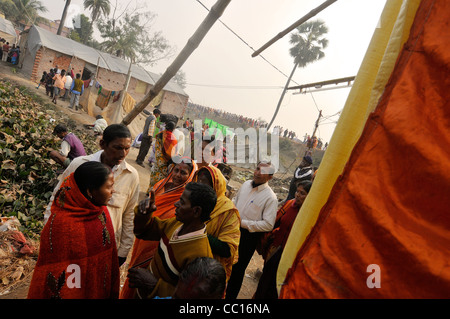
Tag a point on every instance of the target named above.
point(78, 254)
point(144, 250)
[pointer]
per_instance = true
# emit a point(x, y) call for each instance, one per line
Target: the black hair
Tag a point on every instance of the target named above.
point(114, 131)
point(156, 111)
point(91, 176)
point(170, 126)
point(207, 277)
point(78, 75)
point(204, 196)
point(305, 184)
point(59, 129)
point(177, 159)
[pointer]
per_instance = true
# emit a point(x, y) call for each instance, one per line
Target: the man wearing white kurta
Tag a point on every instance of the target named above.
point(257, 205)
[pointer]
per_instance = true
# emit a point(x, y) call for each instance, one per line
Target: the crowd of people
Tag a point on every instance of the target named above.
point(9, 53)
point(188, 238)
point(311, 142)
point(62, 84)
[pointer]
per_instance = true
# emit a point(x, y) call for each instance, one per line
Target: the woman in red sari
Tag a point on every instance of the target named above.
point(78, 254)
point(167, 192)
point(276, 240)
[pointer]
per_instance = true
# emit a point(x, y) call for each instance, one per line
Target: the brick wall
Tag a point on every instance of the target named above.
point(174, 103)
point(48, 59)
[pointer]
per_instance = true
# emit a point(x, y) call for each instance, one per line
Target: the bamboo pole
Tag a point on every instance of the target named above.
point(282, 96)
point(213, 15)
point(322, 83)
point(302, 20)
point(125, 87)
point(63, 17)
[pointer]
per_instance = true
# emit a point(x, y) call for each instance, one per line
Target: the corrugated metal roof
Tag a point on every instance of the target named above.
point(40, 37)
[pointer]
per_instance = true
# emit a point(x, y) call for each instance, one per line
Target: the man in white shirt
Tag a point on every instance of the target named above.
point(179, 135)
point(115, 144)
point(257, 205)
point(67, 87)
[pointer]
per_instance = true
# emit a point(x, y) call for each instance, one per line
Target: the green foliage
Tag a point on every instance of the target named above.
point(130, 38)
point(308, 42)
point(97, 8)
point(82, 31)
point(25, 11)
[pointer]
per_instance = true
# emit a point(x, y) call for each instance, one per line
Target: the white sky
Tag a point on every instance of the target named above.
point(222, 74)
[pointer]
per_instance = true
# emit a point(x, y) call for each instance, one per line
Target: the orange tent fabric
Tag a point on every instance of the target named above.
point(388, 210)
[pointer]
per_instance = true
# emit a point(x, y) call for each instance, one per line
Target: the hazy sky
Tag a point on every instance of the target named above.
point(221, 73)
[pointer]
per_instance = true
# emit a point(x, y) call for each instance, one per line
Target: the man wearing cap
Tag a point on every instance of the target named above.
point(257, 206)
point(147, 135)
point(71, 146)
point(304, 171)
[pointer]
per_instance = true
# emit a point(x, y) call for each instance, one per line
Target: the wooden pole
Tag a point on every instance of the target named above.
point(96, 71)
point(282, 96)
point(329, 82)
point(305, 18)
point(63, 17)
point(191, 45)
point(125, 87)
point(308, 150)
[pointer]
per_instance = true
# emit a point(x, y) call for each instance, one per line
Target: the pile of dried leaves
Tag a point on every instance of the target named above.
point(27, 174)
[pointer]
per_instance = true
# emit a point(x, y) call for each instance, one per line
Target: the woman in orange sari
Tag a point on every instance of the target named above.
point(164, 147)
point(167, 192)
point(223, 226)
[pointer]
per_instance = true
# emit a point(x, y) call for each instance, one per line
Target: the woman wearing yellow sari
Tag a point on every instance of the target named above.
point(223, 227)
point(167, 192)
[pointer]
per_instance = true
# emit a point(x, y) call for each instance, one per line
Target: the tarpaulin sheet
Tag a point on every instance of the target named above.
point(7, 31)
point(384, 229)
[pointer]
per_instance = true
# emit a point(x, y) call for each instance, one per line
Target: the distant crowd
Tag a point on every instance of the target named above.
point(60, 84)
point(311, 142)
point(9, 53)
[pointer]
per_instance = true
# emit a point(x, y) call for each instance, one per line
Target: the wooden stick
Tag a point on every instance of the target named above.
point(213, 15)
point(305, 18)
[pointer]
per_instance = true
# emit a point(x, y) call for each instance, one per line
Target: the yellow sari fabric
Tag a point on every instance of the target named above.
point(225, 220)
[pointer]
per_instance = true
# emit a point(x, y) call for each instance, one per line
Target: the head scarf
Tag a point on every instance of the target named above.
point(225, 220)
point(77, 239)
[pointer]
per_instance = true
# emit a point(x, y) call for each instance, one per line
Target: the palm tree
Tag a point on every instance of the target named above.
point(63, 17)
point(22, 11)
point(308, 43)
point(98, 8)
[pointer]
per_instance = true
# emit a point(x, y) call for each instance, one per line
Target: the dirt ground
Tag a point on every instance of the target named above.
point(20, 289)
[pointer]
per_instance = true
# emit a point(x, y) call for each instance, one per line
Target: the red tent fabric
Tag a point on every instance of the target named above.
point(385, 230)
